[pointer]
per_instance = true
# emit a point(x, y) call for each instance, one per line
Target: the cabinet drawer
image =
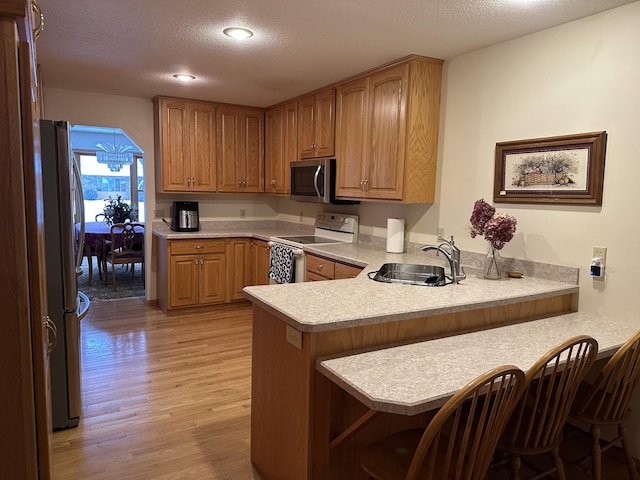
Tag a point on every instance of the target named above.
point(185, 247)
point(320, 266)
point(312, 277)
point(346, 271)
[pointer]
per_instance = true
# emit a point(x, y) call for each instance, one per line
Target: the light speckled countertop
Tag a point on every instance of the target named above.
point(414, 378)
point(318, 306)
point(232, 229)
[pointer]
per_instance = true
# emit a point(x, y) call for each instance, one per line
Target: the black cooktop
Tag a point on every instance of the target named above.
point(309, 239)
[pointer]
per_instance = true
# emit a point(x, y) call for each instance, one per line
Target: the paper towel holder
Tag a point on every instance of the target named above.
point(395, 235)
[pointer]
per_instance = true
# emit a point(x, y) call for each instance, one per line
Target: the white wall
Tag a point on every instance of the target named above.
point(580, 77)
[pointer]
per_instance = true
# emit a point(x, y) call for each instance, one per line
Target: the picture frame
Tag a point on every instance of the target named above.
point(567, 169)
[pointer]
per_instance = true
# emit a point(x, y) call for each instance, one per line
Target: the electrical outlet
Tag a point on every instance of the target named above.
point(159, 213)
point(440, 232)
point(243, 213)
point(600, 252)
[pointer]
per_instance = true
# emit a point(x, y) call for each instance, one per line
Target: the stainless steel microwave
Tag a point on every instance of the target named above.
point(314, 180)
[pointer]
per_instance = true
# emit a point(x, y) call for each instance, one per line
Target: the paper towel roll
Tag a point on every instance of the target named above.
point(395, 235)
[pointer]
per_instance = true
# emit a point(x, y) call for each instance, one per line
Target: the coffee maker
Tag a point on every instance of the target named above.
point(185, 217)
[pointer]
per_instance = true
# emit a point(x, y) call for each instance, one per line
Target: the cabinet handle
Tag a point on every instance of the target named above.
point(199, 247)
point(320, 266)
point(51, 327)
point(244, 183)
point(366, 185)
point(362, 185)
point(313, 146)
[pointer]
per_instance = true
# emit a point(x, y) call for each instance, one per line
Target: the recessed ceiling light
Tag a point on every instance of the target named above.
point(185, 77)
point(237, 32)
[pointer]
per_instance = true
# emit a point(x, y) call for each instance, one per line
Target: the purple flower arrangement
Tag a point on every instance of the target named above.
point(497, 228)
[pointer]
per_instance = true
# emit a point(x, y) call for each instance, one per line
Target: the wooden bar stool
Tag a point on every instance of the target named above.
point(458, 443)
point(536, 424)
point(606, 402)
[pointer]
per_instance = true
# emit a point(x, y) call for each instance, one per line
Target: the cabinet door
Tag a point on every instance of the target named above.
point(386, 135)
point(240, 149)
point(290, 140)
point(351, 141)
point(252, 152)
point(172, 153)
point(281, 147)
point(346, 271)
point(306, 128)
point(325, 121)
point(261, 260)
point(228, 124)
point(212, 278)
point(274, 149)
point(203, 147)
point(238, 267)
point(183, 283)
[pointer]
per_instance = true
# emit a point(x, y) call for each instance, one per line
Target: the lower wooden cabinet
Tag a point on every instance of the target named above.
point(320, 268)
point(261, 259)
point(204, 272)
point(196, 273)
point(239, 267)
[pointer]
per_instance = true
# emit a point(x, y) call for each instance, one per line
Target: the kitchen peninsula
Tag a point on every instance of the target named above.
point(295, 324)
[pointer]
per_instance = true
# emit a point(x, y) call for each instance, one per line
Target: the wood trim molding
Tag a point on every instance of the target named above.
point(13, 8)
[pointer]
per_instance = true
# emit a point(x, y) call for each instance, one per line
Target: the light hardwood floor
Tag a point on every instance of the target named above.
point(169, 398)
point(163, 397)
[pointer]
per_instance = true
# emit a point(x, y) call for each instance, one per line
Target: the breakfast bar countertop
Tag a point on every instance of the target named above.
point(336, 304)
point(413, 378)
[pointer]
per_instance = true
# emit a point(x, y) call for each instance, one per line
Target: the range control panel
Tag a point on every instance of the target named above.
point(339, 222)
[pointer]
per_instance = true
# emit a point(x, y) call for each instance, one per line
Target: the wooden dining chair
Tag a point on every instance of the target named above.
point(90, 252)
point(459, 441)
point(606, 402)
point(125, 247)
point(536, 424)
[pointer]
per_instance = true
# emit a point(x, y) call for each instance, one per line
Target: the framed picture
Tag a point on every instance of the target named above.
point(558, 170)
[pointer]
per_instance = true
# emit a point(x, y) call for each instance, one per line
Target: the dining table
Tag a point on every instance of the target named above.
point(94, 235)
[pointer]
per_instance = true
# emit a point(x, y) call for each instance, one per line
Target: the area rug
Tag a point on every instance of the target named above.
point(127, 286)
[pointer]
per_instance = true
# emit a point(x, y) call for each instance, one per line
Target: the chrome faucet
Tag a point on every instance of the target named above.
point(452, 256)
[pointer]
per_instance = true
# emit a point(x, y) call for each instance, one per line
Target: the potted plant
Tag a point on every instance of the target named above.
point(116, 211)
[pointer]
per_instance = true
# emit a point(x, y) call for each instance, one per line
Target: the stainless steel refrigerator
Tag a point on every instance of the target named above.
point(59, 180)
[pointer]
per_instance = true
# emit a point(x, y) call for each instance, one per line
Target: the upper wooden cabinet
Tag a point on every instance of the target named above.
point(387, 126)
point(281, 146)
point(185, 145)
point(240, 148)
point(317, 124)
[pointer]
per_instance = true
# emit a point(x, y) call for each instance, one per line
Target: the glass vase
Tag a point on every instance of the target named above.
point(492, 267)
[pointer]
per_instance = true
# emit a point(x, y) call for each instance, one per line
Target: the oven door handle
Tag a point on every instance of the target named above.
point(298, 252)
point(315, 180)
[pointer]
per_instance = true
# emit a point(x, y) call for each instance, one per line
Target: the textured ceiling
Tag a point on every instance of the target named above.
point(132, 48)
